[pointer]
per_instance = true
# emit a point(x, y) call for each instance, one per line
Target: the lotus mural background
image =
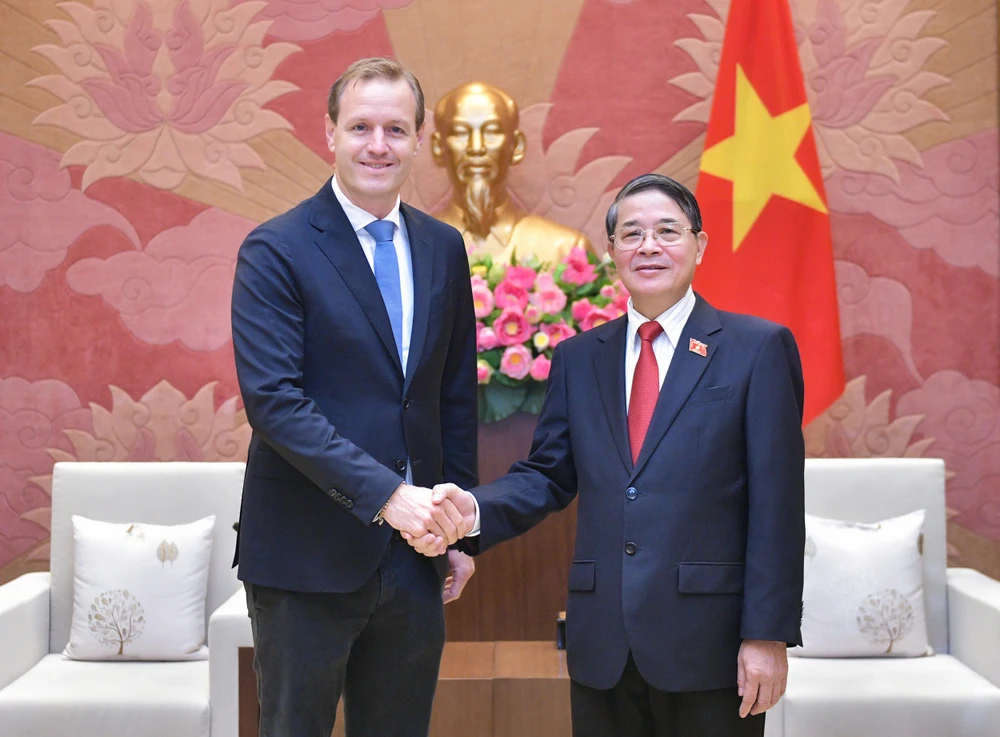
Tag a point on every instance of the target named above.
point(140, 140)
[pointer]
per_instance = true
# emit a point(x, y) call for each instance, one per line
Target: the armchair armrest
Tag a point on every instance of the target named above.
point(24, 625)
point(228, 631)
point(974, 621)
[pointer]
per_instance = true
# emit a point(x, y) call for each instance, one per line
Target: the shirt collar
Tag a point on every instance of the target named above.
point(359, 217)
point(672, 319)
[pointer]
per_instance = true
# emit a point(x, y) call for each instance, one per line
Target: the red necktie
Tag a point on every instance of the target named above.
point(645, 388)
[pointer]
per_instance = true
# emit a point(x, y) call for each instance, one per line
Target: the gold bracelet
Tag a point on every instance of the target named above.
point(378, 517)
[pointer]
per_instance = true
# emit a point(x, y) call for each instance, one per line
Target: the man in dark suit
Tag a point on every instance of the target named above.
point(355, 346)
point(678, 426)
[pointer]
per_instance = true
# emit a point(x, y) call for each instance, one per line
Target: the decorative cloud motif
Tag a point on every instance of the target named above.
point(963, 415)
point(42, 214)
point(875, 306)
point(308, 20)
point(161, 88)
point(179, 288)
point(33, 416)
point(950, 205)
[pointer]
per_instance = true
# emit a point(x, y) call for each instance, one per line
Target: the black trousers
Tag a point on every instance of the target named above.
point(633, 708)
point(379, 646)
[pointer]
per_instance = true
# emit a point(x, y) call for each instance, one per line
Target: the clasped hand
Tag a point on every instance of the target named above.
point(430, 520)
point(444, 515)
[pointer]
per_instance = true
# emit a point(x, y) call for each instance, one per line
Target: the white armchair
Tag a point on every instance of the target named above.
point(953, 693)
point(41, 693)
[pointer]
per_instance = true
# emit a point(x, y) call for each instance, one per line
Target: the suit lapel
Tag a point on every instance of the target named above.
point(338, 241)
point(422, 259)
point(686, 369)
point(609, 367)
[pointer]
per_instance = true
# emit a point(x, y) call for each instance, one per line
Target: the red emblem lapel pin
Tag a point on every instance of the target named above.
point(696, 346)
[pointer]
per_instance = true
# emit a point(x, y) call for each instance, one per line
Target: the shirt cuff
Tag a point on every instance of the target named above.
point(475, 528)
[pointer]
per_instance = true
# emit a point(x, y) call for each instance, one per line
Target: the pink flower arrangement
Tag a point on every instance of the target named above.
point(579, 269)
point(516, 362)
point(523, 311)
point(510, 294)
point(540, 368)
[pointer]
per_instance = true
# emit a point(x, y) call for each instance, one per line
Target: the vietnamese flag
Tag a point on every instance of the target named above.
point(762, 197)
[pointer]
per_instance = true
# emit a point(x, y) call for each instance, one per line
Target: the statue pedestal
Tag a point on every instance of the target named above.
point(520, 586)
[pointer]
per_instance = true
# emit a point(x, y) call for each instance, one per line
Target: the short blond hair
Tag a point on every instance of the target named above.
point(378, 67)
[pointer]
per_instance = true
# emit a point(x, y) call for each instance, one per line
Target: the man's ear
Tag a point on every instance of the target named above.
point(436, 151)
point(520, 145)
point(702, 245)
point(331, 128)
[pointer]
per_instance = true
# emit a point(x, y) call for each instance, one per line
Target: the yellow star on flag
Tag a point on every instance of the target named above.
point(759, 158)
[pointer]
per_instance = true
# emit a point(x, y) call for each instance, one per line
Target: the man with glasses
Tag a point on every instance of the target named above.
point(678, 426)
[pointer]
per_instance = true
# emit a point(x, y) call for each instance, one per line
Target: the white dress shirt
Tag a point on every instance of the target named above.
point(359, 219)
point(673, 321)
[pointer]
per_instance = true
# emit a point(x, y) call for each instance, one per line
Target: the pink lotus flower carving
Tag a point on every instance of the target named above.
point(43, 423)
point(855, 428)
point(162, 89)
point(963, 414)
point(308, 20)
point(33, 418)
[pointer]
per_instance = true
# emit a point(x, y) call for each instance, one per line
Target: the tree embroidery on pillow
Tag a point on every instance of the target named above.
point(166, 552)
point(886, 617)
point(116, 618)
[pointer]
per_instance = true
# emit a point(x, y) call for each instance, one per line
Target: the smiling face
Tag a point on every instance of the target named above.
point(375, 140)
point(656, 276)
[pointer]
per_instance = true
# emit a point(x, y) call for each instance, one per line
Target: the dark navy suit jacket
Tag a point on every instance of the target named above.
point(699, 545)
point(334, 419)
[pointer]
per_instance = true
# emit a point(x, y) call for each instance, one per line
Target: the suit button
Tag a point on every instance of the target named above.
point(630, 548)
point(348, 504)
point(400, 465)
point(631, 493)
point(406, 403)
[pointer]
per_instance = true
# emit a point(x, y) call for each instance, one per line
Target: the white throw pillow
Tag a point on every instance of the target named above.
point(864, 590)
point(139, 590)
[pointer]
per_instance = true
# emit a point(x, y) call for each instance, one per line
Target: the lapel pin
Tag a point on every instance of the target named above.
point(696, 346)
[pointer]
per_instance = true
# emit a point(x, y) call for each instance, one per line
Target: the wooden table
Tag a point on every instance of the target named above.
point(485, 689)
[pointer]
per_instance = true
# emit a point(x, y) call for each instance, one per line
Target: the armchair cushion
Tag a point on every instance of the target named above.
point(139, 590)
point(96, 699)
point(863, 593)
point(873, 697)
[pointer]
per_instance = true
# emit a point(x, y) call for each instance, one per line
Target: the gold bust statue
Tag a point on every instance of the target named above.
point(477, 140)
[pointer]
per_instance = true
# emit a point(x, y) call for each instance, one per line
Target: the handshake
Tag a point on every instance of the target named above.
point(431, 519)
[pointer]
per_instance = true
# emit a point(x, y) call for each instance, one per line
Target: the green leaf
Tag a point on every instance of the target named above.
point(497, 402)
point(536, 396)
point(492, 357)
point(507, 381)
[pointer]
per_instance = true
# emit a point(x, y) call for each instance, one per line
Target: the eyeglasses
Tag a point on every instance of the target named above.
point(629, 239)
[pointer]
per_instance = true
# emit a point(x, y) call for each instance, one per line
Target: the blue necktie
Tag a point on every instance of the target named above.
point(387, 276)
